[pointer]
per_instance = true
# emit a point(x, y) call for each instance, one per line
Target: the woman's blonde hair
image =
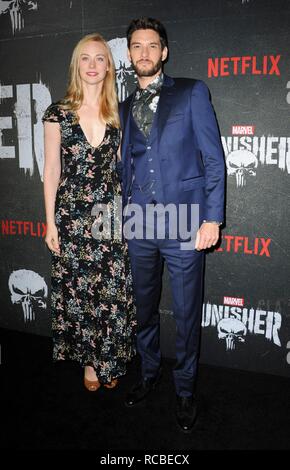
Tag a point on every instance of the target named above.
point(74, 94)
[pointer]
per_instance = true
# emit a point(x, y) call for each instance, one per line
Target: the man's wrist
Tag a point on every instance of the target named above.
point(212, 222)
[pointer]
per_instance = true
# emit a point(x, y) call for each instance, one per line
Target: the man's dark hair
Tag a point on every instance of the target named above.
point(147, 23)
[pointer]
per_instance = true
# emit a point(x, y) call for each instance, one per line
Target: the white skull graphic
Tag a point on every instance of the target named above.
point(29, 289)
point(125, 75)
point(241, 163)
point(16, 8)
point(232, 331)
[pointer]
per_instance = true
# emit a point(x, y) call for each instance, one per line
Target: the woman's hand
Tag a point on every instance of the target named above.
point(51, 239)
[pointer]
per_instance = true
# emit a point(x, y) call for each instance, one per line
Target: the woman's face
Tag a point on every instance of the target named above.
point(93, 63)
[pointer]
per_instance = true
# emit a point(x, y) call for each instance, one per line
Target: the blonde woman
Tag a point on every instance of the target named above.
point(93, 314)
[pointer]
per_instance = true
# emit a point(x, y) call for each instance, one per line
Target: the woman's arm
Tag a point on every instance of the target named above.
point(52, 172)
point(119, 149)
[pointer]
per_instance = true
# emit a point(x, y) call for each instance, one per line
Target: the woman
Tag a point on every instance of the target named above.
point(93, 314)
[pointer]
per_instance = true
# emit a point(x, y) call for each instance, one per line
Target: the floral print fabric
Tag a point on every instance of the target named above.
point(93, 312)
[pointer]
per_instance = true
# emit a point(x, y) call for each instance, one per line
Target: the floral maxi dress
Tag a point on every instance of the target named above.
point(93, 312)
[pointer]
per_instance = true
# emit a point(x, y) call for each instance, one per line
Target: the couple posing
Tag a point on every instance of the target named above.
point(165, 139)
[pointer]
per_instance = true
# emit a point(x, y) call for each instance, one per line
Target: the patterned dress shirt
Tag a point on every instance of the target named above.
point(145, 104)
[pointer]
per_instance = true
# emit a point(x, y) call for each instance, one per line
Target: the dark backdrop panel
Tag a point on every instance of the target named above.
point(39, 17)
point(251, 265)
point(33, 81)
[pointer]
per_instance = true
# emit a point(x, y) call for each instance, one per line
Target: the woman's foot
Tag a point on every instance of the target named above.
point(112, 384)
point(91, 381)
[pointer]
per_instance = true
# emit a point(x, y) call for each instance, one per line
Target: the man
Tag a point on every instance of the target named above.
point(171, 154)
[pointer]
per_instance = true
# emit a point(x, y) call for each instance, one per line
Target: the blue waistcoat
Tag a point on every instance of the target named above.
point(147, 182)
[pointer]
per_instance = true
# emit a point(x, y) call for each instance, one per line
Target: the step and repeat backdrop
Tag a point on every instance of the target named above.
point(240, 48)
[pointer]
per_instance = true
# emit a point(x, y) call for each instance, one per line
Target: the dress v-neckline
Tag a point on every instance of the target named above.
point(86, 139)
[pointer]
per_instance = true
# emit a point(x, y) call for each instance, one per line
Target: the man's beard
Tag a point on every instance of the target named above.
point(148, 72)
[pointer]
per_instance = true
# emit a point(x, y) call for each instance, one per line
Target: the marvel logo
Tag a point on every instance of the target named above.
point(234, 301)
point(243, 130)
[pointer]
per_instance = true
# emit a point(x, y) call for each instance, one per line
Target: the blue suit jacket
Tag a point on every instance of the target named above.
point(188, 144)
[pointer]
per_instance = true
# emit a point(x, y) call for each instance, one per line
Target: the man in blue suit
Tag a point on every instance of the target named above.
point(171, 155)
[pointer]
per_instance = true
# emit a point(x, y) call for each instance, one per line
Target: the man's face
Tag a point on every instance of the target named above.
point(145, 52)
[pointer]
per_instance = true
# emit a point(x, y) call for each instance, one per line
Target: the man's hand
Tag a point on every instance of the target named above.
point(207, 236)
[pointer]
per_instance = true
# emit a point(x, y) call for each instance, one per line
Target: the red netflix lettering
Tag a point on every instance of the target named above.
point(244, 65)
point(23, 227)
point(239, 244)
point(224, 66)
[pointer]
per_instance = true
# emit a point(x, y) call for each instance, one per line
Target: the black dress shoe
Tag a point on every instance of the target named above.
point(141, 390)
point(186, 412)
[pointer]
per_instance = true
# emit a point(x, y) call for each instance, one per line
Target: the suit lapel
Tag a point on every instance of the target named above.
point(165, 103)
point(164, 107)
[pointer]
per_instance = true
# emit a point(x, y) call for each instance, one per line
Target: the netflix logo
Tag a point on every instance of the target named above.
point(245, 245)
point(23, 227)
point(244, 65)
